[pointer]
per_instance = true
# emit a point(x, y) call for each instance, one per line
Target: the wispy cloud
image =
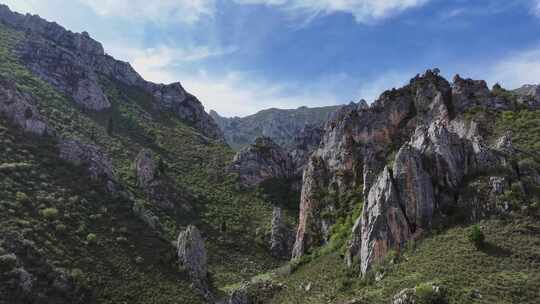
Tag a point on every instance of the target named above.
point(536, 7)
point(234, 93)
point(517, 69)
point(364, 11)
point(186, 11)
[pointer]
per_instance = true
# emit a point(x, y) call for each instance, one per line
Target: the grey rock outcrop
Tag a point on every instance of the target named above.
point(21, 110)
point(97, 163)
point(254, 293)
point(157, 186)
point(384, 224)
point(71, 63)
point(303, 145)
point(192, 257)
point(262, 161)
point(437, 150)
point(281, 237)
point(529, 95)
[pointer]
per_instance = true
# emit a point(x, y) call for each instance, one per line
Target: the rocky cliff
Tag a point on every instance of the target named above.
point(282, 126)
point(407, 157)
point(262, 161)
point(74, 64)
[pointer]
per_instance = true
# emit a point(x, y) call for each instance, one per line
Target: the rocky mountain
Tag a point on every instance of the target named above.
point(408, 157)
point(282, 126)
point(117, 190)
point(75, 65)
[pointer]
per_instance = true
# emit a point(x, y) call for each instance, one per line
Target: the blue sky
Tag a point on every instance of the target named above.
point(241, 56)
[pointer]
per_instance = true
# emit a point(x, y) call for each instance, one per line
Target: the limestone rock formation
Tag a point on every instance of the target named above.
point(303, 145)
point(282, 237)
point(99, 165)
point(529, 95)
point(71, 62)
point(21, 111)
point(158, 187)
point(262, 161)
point(384, 224)
point(192, 257)
point(407, 156)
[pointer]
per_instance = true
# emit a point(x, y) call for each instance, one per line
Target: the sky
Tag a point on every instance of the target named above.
point(242, 56)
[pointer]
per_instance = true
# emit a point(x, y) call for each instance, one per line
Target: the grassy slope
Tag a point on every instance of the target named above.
point(507, 270)
point(196, 163)
point(34, 180)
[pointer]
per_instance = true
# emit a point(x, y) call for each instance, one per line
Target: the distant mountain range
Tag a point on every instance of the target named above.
point(278, 124)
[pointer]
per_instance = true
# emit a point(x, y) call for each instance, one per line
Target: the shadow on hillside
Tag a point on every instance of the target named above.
point(495, 250)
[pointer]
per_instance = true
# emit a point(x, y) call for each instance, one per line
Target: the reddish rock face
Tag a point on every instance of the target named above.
point(262, 161)
point(435, 151)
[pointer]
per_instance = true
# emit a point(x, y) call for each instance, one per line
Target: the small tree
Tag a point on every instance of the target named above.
point(476, 236)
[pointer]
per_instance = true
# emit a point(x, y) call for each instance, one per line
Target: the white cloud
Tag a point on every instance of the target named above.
point(233, 94)
point(186, 11)
point(536, 7)
point(364, 11)
point(517, 69)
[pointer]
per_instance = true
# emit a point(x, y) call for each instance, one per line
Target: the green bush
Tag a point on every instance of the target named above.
point(49, 213)
point(21, 197)
point(91, 238)
point(476, 236)
point(7, 262)
point(427, 293)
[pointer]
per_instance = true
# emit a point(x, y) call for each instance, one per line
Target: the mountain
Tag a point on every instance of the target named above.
point(279, 125)
point(114, 189)
point(103, 177)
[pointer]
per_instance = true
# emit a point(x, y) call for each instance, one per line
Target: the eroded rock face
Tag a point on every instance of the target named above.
point(192, 257)
point(262, 161)
point(436, 151)
point(71, 62)
point(158, 187)
point(529, 95)
point(303, 146)
point(21, 111)
point(282, 237)
point(98, 164)
point(384, 224)
point(146, 167)
point(414, 187)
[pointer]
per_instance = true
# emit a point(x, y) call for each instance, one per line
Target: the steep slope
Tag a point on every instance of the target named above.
point(279, 125)
point(114, 231)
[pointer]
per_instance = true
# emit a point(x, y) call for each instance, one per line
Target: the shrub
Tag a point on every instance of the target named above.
point(49, 213)
point(21, 197)
point(476, 236)
point(91, 238)
point(427, 293)
point(7, 262)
